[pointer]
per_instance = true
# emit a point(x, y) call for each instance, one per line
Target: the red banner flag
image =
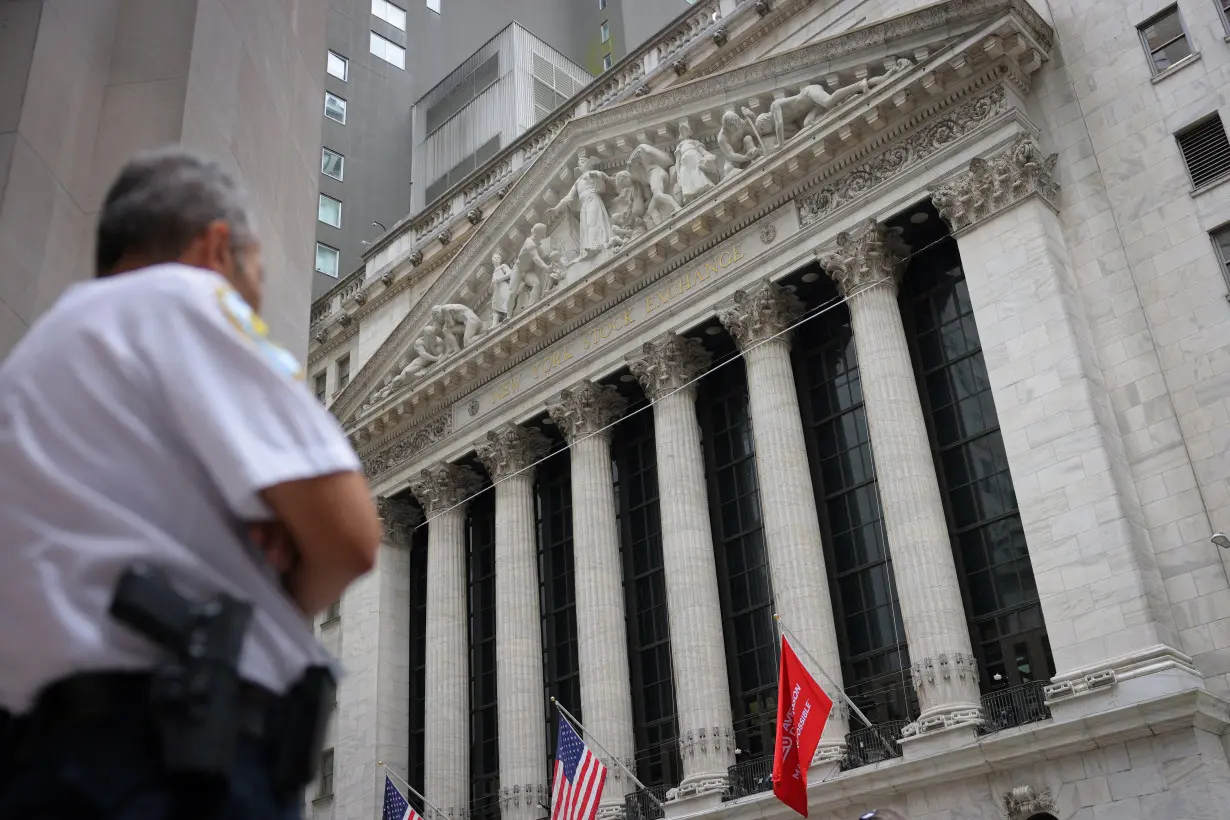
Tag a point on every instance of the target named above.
point(802, 711)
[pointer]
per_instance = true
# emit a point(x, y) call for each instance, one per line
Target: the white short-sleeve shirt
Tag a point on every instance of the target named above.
point(139, 420)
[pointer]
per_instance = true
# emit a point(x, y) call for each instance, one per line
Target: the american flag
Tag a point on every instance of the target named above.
point(395, 806)
point(579, 777)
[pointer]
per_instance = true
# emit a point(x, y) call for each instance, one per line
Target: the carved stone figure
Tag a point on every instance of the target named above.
point(694, 167)
point(813, 102)
point(737, 142)
point(457, 325)
point(532, 275)
point(628, 210)
point(501, 289)
point(651, 168)
point(585, 197)
point(430, 349)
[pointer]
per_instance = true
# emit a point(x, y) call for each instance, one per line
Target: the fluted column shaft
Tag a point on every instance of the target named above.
point(602, 637)
point(866, 268)
point(758, 319)
point(697, 648)
point(442, 490)
point(507, 454)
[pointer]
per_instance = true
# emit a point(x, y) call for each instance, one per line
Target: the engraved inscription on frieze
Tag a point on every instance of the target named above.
point(614, 324)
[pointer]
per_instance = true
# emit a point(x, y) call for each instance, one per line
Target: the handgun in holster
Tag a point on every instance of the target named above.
point(195, 689)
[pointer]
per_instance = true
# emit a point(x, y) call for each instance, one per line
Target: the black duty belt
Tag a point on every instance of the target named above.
point(102, 697)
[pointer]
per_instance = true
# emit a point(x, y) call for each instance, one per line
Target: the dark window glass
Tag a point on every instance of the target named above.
point(649, 645)
point(987, 536)
point(484, 712)
point(559, 622)
point(743, 569)
point(1165, 39)
point(418, 659)
point(871, 636)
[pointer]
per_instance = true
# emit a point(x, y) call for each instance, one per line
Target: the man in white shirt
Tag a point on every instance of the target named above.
point(147, 419)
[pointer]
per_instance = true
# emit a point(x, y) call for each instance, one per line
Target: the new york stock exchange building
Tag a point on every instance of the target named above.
point(904, 322)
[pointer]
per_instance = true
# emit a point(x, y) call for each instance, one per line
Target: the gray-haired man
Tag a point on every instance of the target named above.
point(147, 421)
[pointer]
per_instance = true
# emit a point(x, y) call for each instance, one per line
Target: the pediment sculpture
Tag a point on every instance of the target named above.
point(602, 212)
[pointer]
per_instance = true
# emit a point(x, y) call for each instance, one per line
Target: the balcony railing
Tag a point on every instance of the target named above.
point(749, 777)
point(873, 744)
point(1014, 707)
point(640, 805)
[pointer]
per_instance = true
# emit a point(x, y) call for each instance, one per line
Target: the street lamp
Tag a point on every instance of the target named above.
point(1221, 540)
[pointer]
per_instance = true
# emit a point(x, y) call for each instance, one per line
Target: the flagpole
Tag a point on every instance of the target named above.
point(412, 790)
point(786, 630)
point(568, 716)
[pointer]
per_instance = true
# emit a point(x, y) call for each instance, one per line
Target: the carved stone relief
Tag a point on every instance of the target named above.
point(996, 184)
point(510, 449)
point(399, 517)
point(443, 486)
point(759, 313)
point(586, 409)
point(1023, 802)
point(403, 449)
point(668, 363)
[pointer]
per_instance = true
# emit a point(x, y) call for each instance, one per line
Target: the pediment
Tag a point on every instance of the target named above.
point(616, 193)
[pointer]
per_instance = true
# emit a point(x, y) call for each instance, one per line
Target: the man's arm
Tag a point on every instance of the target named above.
point(336, 529)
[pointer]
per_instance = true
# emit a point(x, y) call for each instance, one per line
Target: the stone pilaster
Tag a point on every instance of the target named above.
point(508, 453)
point(866, 266)
point(442, 489)
point(582, 412)
point(1108, 615)
point(758, 319)
point(706, 739)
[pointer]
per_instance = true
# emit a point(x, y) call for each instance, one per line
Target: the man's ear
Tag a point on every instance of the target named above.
point(217, 246)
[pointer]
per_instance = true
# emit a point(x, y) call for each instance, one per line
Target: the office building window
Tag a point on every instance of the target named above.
point(742, 564)
point(332, 164)
point(320, 387)
point(335, 108)
point(602, 4)
point(334, 611)
point(1206, 150)
point(325, 788)
point(484, 709)
point(606, 31)
point(1221, 241)
point(326, 260)
point(338, 66)
point(395, 16)
point(607, 62)
point(329, 211)
point(390, 52)
point(1165, 40)
point(433, 5)
point(343, 372)
point(1224, 5)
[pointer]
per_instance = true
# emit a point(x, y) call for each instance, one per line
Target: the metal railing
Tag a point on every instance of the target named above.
point(639, 806)
point(1014, 707)
point(873, 744)
point(749, 777)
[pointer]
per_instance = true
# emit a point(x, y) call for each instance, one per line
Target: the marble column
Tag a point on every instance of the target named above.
point(698, 654)
point(508, 453)
point(866, 267)
point(758, 319)
point(442, 490)
point(581, 412)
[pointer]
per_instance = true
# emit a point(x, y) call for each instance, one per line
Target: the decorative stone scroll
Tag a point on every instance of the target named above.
point(762, 312)
point(443, 486)
point(399, 517)
point(379, 463)
point(871, 255)
point(511, 448)
point(994, 184)
point(1023, 802)
point(668, 363)
point(587, 408)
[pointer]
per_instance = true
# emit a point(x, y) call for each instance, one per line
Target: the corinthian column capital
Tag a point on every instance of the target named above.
point(399, 517)
point(759, 313)
point(668, 363)
point(875, 253)
point(444, 485)
point(585, 408)
point(511, 448)
point(996, 183)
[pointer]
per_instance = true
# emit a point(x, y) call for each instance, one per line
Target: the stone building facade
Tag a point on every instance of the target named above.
point(904, 323)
